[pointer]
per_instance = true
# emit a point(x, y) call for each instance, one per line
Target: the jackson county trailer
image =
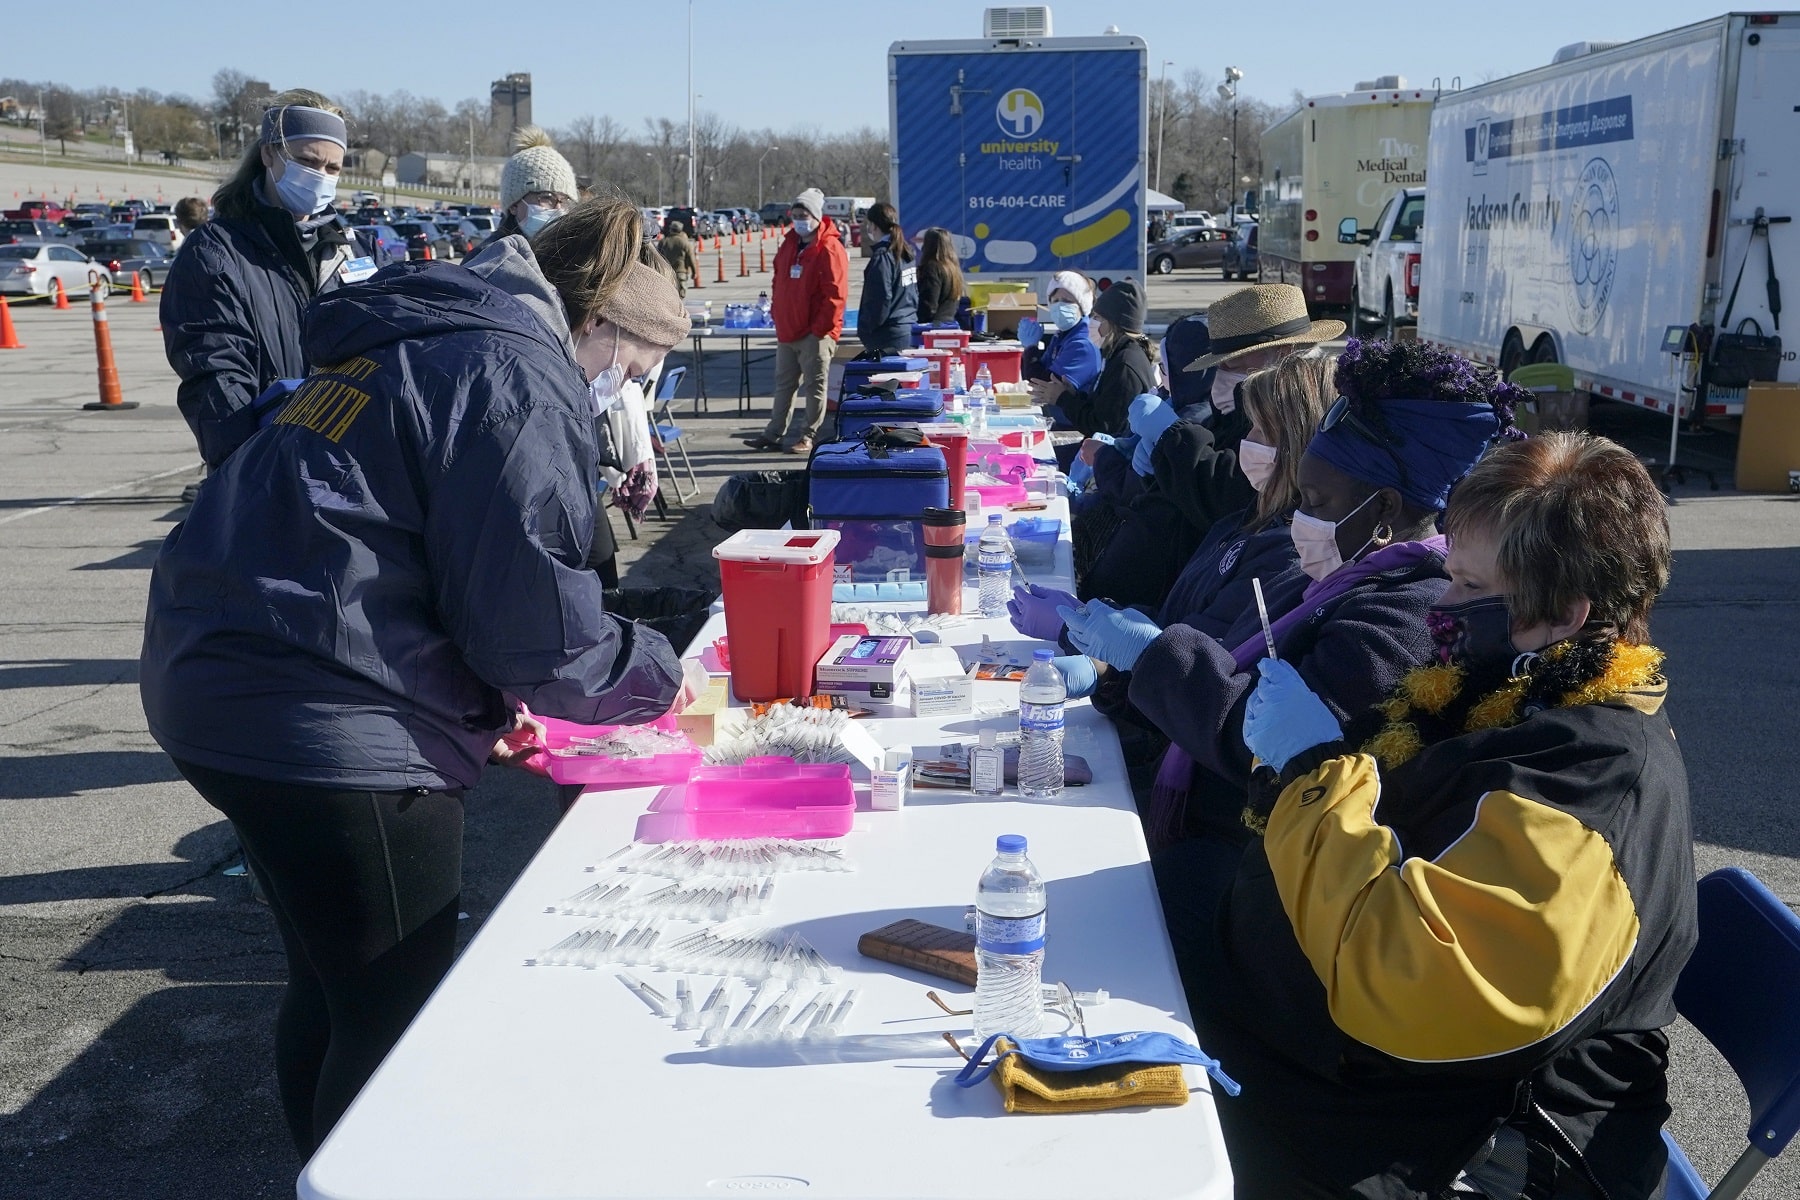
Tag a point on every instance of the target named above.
point(1336, 156)
point(1031, 152)
point(1589, 211)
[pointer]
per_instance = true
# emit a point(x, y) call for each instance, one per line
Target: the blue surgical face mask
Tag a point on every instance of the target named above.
point(804, 226)
point(1065, 314)
point(1148, 1047)
point(304, 190)
point(536, 217)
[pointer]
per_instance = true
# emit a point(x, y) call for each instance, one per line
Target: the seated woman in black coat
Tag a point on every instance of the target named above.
point(1410, 421)
point(1449, 962)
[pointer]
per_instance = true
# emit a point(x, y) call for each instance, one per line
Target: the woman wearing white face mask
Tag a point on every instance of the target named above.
point(341, 633)
point(537, 186)
point(230, 311)
point(1410, 421)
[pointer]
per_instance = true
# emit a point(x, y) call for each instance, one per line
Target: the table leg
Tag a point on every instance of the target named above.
point(700, 396)
point(743, 374)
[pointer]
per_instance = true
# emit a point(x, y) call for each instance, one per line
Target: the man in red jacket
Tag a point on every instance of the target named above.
point(812, 274)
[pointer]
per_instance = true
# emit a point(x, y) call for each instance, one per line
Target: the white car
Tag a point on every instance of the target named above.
point(26, 269)
point(160, 228)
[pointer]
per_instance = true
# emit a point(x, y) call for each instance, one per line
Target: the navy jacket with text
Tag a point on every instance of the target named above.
point(362, 585)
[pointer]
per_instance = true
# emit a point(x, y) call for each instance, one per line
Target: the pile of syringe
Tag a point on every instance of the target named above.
point(648, 899)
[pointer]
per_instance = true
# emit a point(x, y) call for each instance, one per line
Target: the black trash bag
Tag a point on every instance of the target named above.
point(761, 500)
point(675, 612)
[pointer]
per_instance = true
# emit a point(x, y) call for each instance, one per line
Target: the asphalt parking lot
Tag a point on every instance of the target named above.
point(138, 983)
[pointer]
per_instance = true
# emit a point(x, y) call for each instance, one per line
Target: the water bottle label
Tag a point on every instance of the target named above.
point(1010, 935)
point(994, 561)
point(1041, 718)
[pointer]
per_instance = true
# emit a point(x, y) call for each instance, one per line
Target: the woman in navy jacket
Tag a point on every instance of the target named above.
point(344, 629)
point(890, 296)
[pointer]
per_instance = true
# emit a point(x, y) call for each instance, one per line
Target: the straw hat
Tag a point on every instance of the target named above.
point(1259, 317)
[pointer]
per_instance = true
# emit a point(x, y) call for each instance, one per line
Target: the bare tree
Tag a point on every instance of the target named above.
point(60, 118)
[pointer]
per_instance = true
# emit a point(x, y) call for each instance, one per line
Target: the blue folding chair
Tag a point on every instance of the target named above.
point(668, 434)
point(1741, 990)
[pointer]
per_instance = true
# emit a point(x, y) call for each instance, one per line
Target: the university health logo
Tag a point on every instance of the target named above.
point(1020, 113)
point(1594, 244)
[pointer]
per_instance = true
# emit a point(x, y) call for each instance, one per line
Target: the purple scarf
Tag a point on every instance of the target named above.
point(1175, 775)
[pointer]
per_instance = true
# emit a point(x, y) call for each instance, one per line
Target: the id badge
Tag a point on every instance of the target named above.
point(356, 270)
point(794, 271)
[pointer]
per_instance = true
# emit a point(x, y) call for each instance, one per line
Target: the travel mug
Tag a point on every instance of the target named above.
point(955, 445)
point(943, 528)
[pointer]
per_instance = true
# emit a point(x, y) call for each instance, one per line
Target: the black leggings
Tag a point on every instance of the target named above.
point(364, 887)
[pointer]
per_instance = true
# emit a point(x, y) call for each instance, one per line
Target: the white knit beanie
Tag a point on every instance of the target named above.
point(536, 167)
point(813, 201)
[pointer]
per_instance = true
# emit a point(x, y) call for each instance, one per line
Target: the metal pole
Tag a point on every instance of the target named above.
point(43, 143)
point(1232, 211)
point(1162, 122)
point(759, 174)
point(690, 98)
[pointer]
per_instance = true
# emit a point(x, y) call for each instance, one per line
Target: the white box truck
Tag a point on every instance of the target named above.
point(1030, 150)
point(1598, 211)
point(1337, 156)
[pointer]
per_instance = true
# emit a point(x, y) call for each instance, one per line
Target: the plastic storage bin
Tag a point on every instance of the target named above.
point(777, 588)
point(770, 797)
point(859, 412)
point(1002, 362)
point(873, 498)
point(858, 371)
point(600, 770)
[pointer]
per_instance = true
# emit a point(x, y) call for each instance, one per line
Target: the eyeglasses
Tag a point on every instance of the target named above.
point(546, 199)
point(1341, 413)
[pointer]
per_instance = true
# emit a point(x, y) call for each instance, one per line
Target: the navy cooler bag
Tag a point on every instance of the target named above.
point(859, 412)
point(873, 492)
point(858, 372)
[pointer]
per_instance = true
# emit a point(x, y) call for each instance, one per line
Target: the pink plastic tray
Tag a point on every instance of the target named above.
point(770, 797)
point(998, 495)
point(600, 770)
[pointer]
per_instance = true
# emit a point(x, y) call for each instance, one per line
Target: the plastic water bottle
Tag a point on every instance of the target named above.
point(1042, 696)
point(993, 565)
point(984, 382)
point(762, 309)
point(979, 391)
point(1010, 905)
point(959, 379)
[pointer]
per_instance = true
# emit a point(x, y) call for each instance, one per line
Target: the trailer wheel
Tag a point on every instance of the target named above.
point(1543, 350)
point(1512, 353)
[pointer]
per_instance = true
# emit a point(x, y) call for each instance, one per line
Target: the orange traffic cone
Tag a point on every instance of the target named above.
point(743, 263)
point(721, 278)
point(62, 297)
point(762, 257)
point(9, 337)
point(111, 399)
point(137, 289)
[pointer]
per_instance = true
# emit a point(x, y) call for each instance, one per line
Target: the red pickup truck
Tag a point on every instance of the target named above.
point(37, 210)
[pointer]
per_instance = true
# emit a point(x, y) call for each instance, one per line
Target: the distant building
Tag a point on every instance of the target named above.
point(510, 102)
point(432, 169)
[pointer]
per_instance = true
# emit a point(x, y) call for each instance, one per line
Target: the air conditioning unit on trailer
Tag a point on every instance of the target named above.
point(1023, 22)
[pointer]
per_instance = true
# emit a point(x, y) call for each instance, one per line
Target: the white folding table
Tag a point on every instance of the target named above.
point(541, 1082)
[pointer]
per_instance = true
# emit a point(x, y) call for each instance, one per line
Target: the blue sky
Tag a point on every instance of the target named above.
point(784, 65)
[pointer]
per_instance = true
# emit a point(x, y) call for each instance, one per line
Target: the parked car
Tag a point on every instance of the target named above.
point(26, 268)
point(424, 239)
point(77, 223)
point(697, 224)
point(484, 223)
point(149, 259)
point(776, 215)
point(392, 241)
point(1238, 260)
point(37, 210)
point(20, 229)
point(1194, 218)
point(92, 208)
point(463, 234)
point(1192, 248)
point(160, 228)
point(124, 214)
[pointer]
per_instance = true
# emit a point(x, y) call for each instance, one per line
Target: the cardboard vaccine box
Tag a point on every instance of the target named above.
point(941, 685)
point(869, 671)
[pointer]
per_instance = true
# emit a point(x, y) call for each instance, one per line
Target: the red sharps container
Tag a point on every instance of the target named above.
point(944, 559)
point(777, 588)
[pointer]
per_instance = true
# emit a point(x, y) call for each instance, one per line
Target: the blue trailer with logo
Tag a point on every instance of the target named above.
point(1032, 152)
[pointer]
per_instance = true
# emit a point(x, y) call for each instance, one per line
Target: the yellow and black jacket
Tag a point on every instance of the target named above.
point(1488, 933)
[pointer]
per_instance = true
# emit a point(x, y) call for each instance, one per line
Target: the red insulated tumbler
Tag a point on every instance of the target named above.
point(944, 559)
point(955, 445)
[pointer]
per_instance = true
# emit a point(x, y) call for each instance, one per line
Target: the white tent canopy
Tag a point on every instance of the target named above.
point(1155, 201)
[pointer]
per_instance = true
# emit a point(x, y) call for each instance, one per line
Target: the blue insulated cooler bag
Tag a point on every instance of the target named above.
point(858, 371)
point(859, 412)
point(874, 494)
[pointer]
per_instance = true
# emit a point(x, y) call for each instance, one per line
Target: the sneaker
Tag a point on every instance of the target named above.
point(762, 442)
point(803, 446)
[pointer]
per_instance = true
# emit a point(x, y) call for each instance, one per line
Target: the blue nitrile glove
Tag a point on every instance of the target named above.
point(1115, 636)
point(1284, 717)
point(1079, 674)
point(1150, 416)
point(1033, 611)
point(1031, 331)
point(1080, 475)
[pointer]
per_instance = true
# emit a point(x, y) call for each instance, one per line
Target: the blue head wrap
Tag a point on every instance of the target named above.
point(1430, 445)
point(291, 122)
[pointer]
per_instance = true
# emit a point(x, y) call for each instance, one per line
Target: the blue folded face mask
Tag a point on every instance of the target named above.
point(1083, 1053)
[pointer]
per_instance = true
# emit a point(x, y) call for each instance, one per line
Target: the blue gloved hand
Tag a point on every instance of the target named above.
point(1079, 674)
point(1115, 636)
point(1150, 416)
point(1033, 611)
point(1031, 331)
point(1284, 717)
point(1080, 475)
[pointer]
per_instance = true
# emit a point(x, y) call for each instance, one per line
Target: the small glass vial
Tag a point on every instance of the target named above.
point(986, 775)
